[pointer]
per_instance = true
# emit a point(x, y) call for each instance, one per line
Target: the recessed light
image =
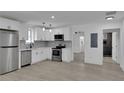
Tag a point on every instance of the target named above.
point(52, 17)
point(109, 18)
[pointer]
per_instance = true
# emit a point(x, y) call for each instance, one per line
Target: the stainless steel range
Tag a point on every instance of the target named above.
point(56, 54)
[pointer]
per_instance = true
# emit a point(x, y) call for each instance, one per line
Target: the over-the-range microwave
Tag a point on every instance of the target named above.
point(59, 37)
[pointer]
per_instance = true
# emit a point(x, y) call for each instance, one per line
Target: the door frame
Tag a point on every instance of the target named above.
point(118, 31)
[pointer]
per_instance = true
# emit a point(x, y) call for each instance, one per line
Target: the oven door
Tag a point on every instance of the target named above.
point(57, 55)
point(56, 52)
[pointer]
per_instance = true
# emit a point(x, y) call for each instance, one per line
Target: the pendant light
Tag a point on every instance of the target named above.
point(50, 30)
point(109, 18)
point(43, 26)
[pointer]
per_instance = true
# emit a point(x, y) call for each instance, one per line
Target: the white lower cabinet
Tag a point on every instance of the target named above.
point(67, 55)
point(37, 55)
point(49, 53)
point(40, 54)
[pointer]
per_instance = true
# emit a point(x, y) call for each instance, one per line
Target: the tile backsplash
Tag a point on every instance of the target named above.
point(56, 43)
point(38, 44)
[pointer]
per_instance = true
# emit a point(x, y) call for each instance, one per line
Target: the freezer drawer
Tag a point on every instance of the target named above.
point(25, 57)
point(8, 59)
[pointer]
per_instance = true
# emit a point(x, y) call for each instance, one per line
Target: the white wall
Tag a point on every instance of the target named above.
point(76, 44)
point(94, 55)
point(122, 46)
point(82, 43)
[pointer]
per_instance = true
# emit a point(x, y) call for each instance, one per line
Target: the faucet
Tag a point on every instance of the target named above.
point(31, 45)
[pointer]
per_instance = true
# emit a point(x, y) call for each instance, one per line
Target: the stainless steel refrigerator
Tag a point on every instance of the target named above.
point(8, 51)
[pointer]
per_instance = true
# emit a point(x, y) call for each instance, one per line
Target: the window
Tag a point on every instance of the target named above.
point(30, 36)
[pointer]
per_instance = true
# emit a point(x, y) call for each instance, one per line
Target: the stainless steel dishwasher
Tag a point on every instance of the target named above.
point(25, 58)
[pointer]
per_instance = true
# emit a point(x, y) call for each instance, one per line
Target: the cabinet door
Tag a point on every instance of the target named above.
point(51, 35)
point(35, 58)
point(48, 35)
point(44, 35)
point(49, 53)
point(23, 33)
point(9, 24)
point(39, 33)
point(58, 31)
point(42, 55)
point(13, 25)
point(38, 55)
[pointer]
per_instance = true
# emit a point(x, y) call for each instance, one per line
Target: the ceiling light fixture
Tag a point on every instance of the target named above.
point(110, 18)
point(46, 27)
point(50, 28)
point(52, 17)
point(43, 26)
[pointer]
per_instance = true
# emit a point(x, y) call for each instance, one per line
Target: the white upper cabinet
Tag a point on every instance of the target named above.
point(23, 33)
point(43, 35)
point(58, 31)
point(49, 35)
point(9, 24)
point(14, 25)
point(65, 31)
point(39, 34)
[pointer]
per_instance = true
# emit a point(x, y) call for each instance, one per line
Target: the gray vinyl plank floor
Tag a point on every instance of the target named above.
point(60, 71)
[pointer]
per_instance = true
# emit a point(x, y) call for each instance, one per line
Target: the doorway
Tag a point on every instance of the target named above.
point(107, 47)
point(78, 46)
point(111, 45)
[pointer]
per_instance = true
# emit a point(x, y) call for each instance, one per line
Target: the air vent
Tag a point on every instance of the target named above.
point(110, 13)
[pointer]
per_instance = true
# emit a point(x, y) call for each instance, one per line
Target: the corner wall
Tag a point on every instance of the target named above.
point(94, 55)
point(122, 46)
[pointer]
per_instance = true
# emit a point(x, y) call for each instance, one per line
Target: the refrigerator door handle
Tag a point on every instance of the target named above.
point(8, 46)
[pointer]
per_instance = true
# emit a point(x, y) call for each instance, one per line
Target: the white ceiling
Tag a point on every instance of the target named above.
point(62, 18)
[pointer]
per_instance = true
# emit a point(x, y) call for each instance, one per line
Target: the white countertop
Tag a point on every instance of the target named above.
point(33, 48)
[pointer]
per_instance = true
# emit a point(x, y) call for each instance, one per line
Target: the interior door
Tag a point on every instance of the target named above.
point(114, 47)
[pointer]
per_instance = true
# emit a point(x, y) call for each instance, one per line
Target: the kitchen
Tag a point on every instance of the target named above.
point(36, 45)
point(48, 47)
point(36, 50)
point(44, 45)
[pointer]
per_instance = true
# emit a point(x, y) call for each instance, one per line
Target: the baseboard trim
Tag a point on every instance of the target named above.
point(122, 68)
point(93, 63)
